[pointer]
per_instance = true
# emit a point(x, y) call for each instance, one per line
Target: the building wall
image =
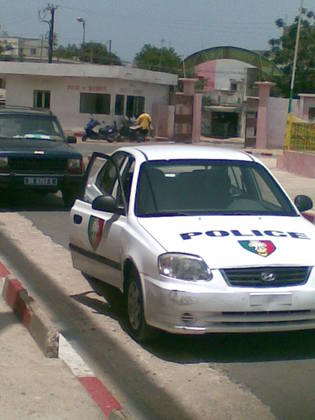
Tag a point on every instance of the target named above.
point(65, 95)
point(277, 113)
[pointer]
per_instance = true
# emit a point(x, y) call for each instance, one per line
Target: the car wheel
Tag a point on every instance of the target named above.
point(69, 198)
point(138, 328)
point(84, 138)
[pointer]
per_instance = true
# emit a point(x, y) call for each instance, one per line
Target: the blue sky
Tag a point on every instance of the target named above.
point(186, 25)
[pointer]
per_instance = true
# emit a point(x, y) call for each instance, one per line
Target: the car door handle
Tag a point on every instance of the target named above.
point(77, 219)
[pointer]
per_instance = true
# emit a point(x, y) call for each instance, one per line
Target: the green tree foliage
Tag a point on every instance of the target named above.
point(282, 53)
point(159, 59)
point(91, 52)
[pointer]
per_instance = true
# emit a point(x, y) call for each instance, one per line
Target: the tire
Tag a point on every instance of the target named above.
point(137, 326)
point(69, 198)
point(84, 137)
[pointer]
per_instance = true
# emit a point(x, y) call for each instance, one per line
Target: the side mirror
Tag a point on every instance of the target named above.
point(71, 139)
point(303, 202)
point(106, 203)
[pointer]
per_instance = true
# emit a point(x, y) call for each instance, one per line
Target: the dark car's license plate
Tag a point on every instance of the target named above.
point(38, 181)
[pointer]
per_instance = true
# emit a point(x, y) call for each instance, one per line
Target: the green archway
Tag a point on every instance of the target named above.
point(266, 69)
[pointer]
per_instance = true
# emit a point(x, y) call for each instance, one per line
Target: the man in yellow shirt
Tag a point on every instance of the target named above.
point(145, 121)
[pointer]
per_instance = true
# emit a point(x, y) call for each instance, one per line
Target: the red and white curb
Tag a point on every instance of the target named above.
point(54, 344)
point(100, 394)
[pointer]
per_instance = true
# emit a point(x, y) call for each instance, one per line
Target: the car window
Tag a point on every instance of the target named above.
point(206, 187)
point(102, 177)
point(107, 177)
point(31, 126)
point(127, 177)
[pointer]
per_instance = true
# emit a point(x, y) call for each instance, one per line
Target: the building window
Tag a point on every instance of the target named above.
point(119, 104)
point(33, 51)
point(135, 106)
point(41, 99)
point(94, 103)
point(311, 115)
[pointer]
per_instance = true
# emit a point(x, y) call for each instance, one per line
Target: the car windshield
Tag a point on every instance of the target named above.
point(30, 126)
point(190, 187)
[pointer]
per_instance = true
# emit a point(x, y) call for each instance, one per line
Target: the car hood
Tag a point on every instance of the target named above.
point(32, 145)
point(237, 241)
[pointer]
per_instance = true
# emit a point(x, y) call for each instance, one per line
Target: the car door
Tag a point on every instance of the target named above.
point(95, 235)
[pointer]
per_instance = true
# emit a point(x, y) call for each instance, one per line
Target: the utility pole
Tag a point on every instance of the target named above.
point(295, 56)
point(51, 22)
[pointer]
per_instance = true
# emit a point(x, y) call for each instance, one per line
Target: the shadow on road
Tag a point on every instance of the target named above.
point(210, 348)
point(30, 201)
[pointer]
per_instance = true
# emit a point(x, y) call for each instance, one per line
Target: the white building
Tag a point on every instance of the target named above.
point(26, 48)
point(75, 91)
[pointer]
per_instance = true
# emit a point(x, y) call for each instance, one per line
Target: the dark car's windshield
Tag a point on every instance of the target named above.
point(184, 187)
point(30, 126)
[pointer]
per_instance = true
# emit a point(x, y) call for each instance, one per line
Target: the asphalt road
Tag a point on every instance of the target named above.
point(277, 369)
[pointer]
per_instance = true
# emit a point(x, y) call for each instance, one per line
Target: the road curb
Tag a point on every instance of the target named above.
point(31, 316)
point(54, 345)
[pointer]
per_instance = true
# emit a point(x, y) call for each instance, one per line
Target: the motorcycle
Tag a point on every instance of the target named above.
point(109, 132)
point(129, 130)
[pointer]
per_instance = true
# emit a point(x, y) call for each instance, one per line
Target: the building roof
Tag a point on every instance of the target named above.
point(87, 70)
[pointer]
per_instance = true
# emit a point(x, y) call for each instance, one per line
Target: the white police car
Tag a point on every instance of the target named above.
point(198, 239)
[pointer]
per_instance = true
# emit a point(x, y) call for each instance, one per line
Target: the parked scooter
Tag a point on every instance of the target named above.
point(129, 130)
point(109, 132)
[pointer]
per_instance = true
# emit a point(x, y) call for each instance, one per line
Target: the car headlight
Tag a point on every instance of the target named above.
point(3, 161)
point(183, 267)
point(4, 164)
point(74, 165)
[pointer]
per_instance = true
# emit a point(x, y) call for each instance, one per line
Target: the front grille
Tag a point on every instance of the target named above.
point(266, 276)
point(38, 164)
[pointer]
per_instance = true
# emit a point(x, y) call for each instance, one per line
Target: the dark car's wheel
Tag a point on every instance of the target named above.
point(137, 325)
point(69, 197)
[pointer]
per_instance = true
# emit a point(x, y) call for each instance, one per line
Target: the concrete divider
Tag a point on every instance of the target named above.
point(30, 314)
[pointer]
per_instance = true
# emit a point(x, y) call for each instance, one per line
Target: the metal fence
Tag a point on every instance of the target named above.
point(300, 135)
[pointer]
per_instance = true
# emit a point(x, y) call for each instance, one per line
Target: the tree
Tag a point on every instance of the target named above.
point(282, 54)
point(91, 52)
point(159, 59)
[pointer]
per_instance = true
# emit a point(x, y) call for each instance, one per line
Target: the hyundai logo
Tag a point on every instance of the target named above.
point(268, 277)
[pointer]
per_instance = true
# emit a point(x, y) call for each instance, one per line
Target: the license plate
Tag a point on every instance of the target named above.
point(38, 181)
point(270, 300)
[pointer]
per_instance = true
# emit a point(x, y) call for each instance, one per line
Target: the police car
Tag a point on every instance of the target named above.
point(198, 239)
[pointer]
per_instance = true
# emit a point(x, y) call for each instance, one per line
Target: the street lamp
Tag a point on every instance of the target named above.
point(80, 19)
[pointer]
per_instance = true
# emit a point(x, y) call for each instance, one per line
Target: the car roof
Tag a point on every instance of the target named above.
point(187, 151)
point(21, 110)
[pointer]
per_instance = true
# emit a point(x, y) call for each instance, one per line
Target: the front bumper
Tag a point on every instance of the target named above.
point(217, 307)
point(16, 181)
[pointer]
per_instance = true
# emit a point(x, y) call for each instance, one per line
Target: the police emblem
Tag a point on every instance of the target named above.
point(95, 231)
point(262, 248)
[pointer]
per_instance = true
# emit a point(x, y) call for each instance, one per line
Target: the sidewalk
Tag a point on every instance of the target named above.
point(33, 386)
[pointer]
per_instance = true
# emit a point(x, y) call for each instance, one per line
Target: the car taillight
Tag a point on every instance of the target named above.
point(75, 166)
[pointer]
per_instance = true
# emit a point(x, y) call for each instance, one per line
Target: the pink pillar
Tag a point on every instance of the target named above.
point(261, 132)
point(188, 85)
point(196, 128)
